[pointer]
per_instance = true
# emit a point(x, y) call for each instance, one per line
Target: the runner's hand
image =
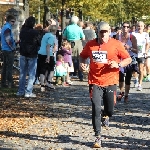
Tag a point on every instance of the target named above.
point(113, 64)
point(83, 67)
point(127, 46)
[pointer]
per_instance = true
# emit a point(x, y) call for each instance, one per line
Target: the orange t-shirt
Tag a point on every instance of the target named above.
point(100, 72)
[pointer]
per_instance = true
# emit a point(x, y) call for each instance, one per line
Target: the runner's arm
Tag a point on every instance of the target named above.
point(147, 45)
point(134, 44)
point(83, 56)
point(124, 55)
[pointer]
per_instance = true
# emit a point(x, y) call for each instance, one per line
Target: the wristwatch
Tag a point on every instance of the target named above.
point(119, 65)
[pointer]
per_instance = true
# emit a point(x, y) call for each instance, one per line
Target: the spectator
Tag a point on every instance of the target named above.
point(113, 32)
point(60, 71)
point(46, 62)
point(8, 47)
point(53, 51)
point(81, 24)
point(133, 29)
point(59, 36)
point(66, 52)
point(89, 33)
point(74, 34)
point(28, 57)
point(38, 27)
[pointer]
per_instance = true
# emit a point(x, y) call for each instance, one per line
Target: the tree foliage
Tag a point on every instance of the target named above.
point(112, 11)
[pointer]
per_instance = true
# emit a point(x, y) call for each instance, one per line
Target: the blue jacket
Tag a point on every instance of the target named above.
point(5, 46)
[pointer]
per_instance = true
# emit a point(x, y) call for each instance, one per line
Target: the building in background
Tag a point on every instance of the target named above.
point(5, 5)
point(18, 8)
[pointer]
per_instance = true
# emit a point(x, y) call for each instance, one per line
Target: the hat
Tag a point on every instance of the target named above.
point(103, 26)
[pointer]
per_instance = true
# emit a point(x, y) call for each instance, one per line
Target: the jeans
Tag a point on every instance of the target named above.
point(98, 94)
point(27, 66)
point(76, 69)
point(8, 60)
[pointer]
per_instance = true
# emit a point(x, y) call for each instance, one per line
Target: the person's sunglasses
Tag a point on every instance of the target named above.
point(103, 31)
point(126, 26)
point(12, 21)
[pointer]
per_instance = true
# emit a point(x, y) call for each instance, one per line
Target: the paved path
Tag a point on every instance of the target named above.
point(61, 120)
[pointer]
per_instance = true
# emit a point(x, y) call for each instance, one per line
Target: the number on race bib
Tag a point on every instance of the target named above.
point(99, 56)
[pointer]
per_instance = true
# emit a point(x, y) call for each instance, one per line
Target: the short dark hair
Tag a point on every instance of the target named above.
point(30, 22)
point(10, 17)
point(126, 23)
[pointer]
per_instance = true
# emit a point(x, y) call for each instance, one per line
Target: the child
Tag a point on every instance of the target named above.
point(60, 71)
point(66, 52)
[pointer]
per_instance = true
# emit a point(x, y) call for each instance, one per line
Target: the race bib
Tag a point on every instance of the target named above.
point(99, 56)
point(140, 55)
point(140, 48)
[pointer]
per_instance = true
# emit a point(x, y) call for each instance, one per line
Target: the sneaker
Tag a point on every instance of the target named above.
point(49, 85)
point(30, 95)
point(144, 79)
point(136, 83)
point(19, 94)
point(97, 143)
point(105, 121)
point(139, 88)
point(42, 88)
point(37, 82)
point(148, 78)
point(126, 98)
point(69, 82)
point(120, 96)
point(65, 84)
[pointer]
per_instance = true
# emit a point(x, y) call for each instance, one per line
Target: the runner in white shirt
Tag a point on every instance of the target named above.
point(143, 46)
point(147, 66)
point(130, 44)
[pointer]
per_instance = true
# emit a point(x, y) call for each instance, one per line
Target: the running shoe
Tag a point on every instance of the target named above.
point(136, 83)
point(148, 78)
point(105, 121)
point(120, 96)
point(126, 98)
point(139, 88)
point(144, 79)
point(97, 143)
point(30, 95)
